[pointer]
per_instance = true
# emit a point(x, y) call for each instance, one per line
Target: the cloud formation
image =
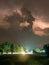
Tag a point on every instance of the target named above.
point(13, 30)
point(20, 19)
point(40, 27)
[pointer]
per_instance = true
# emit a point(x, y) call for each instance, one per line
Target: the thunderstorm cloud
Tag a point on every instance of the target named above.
point(25, 22)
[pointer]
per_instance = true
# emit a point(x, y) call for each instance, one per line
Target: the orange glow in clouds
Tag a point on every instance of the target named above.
point(24, 24)
point(38, 27)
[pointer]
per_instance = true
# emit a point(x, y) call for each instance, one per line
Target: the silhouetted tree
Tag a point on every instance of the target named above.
point(46, 48)
point(1, 50)
point(12, 48)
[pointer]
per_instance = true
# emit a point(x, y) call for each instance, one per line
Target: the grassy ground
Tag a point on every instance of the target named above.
point(23, 60)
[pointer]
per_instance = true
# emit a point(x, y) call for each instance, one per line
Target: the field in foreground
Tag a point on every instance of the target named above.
point(21, 59)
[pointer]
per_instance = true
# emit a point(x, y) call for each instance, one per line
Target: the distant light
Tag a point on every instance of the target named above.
point(22, 52)
point(43, 51)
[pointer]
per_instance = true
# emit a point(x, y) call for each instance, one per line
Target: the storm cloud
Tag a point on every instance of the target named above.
point(14, 24)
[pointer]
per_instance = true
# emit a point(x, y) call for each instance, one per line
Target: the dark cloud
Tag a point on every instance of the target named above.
point(27, 16)
point(12, 18)
point(16, 19)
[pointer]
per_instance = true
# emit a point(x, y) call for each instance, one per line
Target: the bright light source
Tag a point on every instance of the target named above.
point(23, 52)
point(43, 51)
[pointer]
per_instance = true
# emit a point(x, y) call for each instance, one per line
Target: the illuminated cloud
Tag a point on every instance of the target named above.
point(24, 24)
point(39, 27)
point(18, 21)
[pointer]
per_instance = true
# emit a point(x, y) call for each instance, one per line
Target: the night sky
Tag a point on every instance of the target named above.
point(15, 28)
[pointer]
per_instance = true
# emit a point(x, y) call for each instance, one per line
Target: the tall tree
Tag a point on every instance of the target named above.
point(46, 48)
point(12, 48)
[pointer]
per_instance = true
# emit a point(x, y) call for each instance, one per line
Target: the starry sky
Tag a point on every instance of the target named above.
point(17, 26)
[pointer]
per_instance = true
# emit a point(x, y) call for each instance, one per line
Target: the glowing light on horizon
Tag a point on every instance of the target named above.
point(23, 52)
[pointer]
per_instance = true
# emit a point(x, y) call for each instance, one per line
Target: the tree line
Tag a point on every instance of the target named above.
point(10, 47)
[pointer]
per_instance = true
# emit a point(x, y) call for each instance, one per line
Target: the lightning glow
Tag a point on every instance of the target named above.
point(39, 25)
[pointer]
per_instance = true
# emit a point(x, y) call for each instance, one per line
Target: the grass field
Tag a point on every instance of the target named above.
point(20, 59)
